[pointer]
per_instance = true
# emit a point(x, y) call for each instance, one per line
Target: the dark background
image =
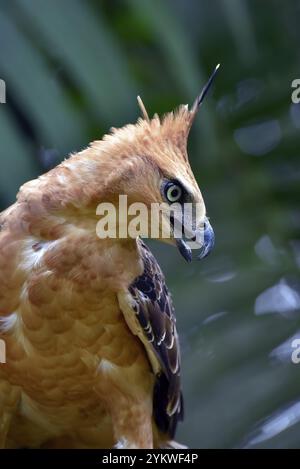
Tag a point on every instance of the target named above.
point(73, 69)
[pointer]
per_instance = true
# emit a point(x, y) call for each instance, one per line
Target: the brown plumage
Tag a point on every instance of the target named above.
point(92, 350)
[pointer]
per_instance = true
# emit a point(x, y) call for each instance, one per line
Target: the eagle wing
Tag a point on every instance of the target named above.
point(149, 312)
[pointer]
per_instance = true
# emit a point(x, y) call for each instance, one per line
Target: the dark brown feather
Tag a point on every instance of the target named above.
point(154, 310)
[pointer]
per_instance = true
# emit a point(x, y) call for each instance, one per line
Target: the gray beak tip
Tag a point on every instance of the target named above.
point(184, 250)
point(209, 241)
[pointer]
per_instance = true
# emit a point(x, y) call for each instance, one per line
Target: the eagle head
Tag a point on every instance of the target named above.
point(147, 163)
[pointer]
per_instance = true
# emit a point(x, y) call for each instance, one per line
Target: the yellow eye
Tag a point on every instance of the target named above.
point(173, 192)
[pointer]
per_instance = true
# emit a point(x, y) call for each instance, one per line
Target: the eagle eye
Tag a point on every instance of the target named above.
point(173, 192)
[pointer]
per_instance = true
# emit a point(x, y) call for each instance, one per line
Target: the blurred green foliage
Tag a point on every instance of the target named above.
point(73, 69)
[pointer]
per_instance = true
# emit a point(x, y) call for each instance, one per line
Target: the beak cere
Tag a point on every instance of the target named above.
point(208, 240)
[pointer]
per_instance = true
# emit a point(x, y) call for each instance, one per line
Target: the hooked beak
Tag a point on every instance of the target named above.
point(208, 241)
point(207, 245)
point(184, 249)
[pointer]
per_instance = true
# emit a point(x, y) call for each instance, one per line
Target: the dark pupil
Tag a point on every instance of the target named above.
point(174, 192)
